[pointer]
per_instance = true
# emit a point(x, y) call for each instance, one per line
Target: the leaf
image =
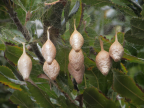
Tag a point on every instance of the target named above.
point(2, 45)
point(65, 103)
point(5, 81)
point(63, 62)
point(18, 2)
point(52, 16)
point(22, 99)
point(40, 96)
point(142, 12)
point(137, 27)
point(123, 68)
point(13, 53)
point(98, 80)
point(7, 72)
point(93, 98)
point(78, 16)
point(125, 86)
point(100, 3)
point(132, 38)
point(139, 78)
point(74, 9)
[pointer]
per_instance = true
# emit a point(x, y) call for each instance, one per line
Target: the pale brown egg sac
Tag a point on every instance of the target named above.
point(24, 65)
point(103, 60)
point(51, 70)
point(76, 59)
point(116, 50)
point(48, 50)
point(78, 75)
point(76, 39)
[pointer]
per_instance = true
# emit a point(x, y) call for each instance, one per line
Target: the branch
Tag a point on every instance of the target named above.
point(17, 22)
point(23, 29)
point(37, 52)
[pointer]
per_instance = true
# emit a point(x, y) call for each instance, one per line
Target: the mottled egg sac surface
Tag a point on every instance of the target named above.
point(51, 70)
point(116, 50)
point(103, 60)
point(76, 59)
point(48, 50)
point(78, 75)
point(76, 39)
point(24, 64)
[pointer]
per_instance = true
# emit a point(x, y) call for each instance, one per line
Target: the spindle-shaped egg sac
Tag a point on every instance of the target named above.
point(48, 50)
point(76, 59)
point(78, 75)
point(51, 70)
point(103, 60)
point(24, 64)
point(116, 50)
point(76, 39)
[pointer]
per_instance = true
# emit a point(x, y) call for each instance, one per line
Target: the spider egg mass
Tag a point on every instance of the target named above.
point(76, 59)
point(76, 39)
point(51, 70)
point(116, 50)
point(78, 75)
point(103, 60)
point(24, 64)
point(48, 50)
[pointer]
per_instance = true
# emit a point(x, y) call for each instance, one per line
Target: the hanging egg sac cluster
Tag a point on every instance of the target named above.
point(76, 58)
point(51, 67)
point(104, 58)
point(24, 64)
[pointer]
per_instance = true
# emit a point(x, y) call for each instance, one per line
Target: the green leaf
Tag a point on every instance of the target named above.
point(40, 96)
point(139, 78)
point(65, 103)
point(78, 16)
point(63, 62)
point(18, 2)
point(2, 45)
point(137, 27)
point(13, 53)
point(7, 72)
point(133, 38)
point(142, 12)
point(5, 81)
point(125, 86)
point(95, 78)
point(52, 16)
point(100, 3)
point(45, 86)
point(74, 9)
point(123, 68)
point(22, 99)
point(121, 2)
point(94, 99)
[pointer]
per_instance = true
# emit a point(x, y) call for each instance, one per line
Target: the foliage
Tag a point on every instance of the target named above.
point(122, 87)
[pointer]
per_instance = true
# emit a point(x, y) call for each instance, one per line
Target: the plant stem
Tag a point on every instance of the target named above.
point(22, 29)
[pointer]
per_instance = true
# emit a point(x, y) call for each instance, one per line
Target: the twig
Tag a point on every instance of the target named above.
point(22, 29)
point(37, 52)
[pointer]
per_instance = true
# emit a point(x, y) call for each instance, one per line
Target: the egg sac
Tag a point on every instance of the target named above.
point(51, 70)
